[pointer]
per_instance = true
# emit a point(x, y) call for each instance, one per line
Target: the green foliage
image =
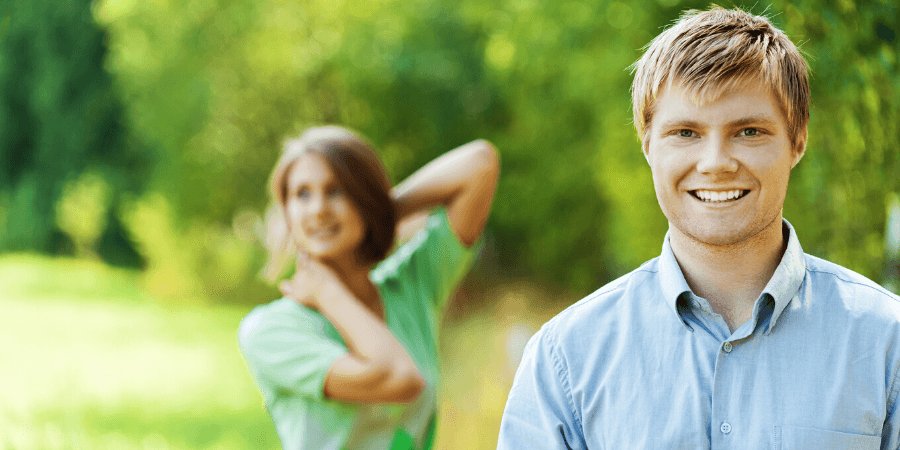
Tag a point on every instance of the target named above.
point(841, 188)
point(170, 266)
point(211, 88)
point(203, 262)
point(81, 211)
point(58, 116)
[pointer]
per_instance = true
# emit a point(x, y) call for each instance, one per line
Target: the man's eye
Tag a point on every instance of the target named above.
point(685, 133)
point(749, 132)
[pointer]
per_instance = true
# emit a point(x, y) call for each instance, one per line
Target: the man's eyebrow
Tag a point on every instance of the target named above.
point(681, 123)
point(758, 119)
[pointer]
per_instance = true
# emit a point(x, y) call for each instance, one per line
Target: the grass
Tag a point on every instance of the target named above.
point(91, 361)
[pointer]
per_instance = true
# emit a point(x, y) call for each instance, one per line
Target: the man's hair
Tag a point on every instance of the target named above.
point(712, 51)
point(361, 175)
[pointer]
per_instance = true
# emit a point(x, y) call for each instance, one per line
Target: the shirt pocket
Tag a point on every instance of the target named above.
point(802, 438)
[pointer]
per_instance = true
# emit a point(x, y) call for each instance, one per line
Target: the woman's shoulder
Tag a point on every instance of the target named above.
point(282, 313)
point(435, 232)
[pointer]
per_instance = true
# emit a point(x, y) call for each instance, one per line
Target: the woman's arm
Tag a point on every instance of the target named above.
point(463, 179)
point(377, 368)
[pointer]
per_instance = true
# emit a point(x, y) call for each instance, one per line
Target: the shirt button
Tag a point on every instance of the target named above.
point(725, 428)
point(727, 347)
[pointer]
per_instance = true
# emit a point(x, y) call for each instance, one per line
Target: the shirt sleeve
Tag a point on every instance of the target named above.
point(890, 432)
point(289, 352)
point(436, 258)
point(539, 407)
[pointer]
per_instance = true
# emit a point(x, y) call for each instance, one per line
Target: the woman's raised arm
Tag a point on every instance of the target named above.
point(463, 179)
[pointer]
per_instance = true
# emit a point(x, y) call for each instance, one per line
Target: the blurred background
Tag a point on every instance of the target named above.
point(136, 139)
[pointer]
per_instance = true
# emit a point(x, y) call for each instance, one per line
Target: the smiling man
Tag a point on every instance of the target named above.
point(733, 337)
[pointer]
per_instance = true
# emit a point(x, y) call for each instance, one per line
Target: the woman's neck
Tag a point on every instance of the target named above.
point(356, 277)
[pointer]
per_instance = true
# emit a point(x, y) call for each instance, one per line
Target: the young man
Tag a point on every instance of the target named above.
point(732, 337)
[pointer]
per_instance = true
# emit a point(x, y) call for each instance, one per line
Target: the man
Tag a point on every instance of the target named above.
point(733, 337)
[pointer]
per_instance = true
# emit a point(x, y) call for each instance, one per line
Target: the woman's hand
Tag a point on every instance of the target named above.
point(309, 281)
point(377, 368)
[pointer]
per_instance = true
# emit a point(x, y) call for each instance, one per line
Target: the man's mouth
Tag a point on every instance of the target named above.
point(719, 196)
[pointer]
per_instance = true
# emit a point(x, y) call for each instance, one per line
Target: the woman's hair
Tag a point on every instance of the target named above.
point(712, 51)
point(360, 174)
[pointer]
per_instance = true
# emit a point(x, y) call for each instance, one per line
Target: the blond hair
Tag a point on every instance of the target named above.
point(710, 52)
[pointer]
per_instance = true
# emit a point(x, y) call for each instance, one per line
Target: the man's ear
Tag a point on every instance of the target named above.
point(799, 147)
point(645, 146)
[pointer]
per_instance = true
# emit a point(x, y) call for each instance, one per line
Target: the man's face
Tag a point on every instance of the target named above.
point(720, 169)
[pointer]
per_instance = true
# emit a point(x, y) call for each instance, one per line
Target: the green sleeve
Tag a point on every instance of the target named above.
point(437, 258)
point(289, 350)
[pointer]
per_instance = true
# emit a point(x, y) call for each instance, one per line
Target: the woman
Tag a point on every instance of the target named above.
point(348, 358)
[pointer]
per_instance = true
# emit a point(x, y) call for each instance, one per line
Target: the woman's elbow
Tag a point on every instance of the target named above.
point(409, 387)
point(487, 157)
point(482, 164)
point(399, 385)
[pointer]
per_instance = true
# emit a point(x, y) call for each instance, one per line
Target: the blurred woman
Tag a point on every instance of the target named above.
point(348, 358)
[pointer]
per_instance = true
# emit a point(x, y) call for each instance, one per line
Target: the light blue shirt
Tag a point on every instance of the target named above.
point(643, 363)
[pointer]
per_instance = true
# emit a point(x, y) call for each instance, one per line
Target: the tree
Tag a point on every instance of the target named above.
point(59, 115)
point(215, 87)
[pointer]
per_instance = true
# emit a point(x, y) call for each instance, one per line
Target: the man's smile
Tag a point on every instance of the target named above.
point(719, 196)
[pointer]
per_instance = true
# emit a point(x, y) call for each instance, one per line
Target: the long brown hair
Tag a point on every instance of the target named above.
point(361, 175)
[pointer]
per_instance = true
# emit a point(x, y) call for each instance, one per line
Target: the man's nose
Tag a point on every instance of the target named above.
point(717, 157)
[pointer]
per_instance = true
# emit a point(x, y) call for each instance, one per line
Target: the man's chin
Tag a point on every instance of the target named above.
point(719, 236)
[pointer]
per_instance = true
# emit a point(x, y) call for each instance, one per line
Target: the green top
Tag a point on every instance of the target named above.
point(289, 349)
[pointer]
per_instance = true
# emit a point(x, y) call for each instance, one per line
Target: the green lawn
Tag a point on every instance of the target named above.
point(89, 361)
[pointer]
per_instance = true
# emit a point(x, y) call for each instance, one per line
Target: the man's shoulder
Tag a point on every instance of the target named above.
point(854, 290)
point(605, 303)
point(829, 272)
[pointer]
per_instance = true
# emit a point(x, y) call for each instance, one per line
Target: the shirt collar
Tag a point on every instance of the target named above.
point(671, 279)
point(788, 276)
point(782, 287)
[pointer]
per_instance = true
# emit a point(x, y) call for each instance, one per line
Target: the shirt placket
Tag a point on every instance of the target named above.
point(725, 428)
point(725, 390)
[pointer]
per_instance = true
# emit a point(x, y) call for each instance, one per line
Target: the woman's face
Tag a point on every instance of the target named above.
point(322, 218)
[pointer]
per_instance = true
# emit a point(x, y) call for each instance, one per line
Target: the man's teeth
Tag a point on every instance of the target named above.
point(718, 196)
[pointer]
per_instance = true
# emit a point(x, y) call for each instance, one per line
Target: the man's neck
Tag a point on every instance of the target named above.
point(730, 277)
